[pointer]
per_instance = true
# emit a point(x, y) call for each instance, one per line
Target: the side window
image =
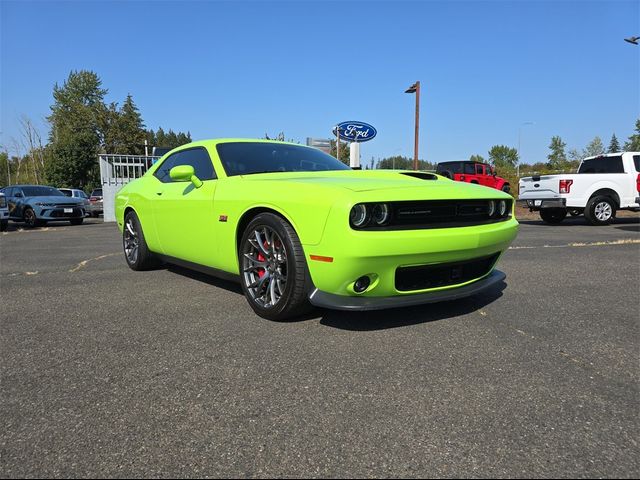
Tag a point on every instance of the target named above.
point(479, 169)
point(602, 165)
point(198, 158)
point(636, 161)
point(469, 169)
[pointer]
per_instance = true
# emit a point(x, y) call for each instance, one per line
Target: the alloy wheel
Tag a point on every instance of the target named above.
point(264, 266)
point(603, 211)
point(131, 241)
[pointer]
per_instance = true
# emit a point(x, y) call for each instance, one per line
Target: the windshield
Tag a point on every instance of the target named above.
point(246, 158)
point(39, 191)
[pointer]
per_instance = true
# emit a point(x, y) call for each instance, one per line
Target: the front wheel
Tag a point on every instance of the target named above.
point(136, 252)
point(553, 216)
point(77, 221)
point(273, 269)
point(30, 219)
point(600, 210)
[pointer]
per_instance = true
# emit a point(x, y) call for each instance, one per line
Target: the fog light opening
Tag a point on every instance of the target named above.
point(361, 284)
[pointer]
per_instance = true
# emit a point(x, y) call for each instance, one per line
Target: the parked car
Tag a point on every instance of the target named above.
point(96, 202)
point(603, 185)
point(77, 193)
point(297, 227)
point(4, 213)
point(35, 205)
point(473, 172)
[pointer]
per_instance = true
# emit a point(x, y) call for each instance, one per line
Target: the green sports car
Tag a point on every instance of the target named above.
point(297, 228)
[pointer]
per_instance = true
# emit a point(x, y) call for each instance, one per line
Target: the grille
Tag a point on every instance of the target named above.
point(423, 277)
point(60, 213)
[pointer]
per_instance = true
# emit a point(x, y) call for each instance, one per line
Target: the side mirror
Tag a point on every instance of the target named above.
point(185, 173)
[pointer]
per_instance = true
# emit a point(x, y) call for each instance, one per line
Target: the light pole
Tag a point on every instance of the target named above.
point(415, 88)
point(519, 138)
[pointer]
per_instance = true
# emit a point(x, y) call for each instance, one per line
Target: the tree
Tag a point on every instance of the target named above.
point(126, 132)
point(77, 130)
point(170, 139)
point(594, 148)
point(477, 158)
point(633, 145)
point(614, 145)
point(345, 153)
point(503, 157)
point(398, 162)
point(557, 157)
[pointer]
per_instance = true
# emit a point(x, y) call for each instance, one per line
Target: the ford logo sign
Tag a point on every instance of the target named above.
point(355, 131)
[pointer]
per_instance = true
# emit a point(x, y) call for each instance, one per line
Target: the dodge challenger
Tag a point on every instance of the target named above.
point(296, 227)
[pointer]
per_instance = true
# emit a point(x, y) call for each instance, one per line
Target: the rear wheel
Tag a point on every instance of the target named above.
point(273, 269)
point(136, 252)
point(600, 210)
point(553, 216)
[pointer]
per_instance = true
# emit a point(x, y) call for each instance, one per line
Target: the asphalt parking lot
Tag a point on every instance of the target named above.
point(110, 372)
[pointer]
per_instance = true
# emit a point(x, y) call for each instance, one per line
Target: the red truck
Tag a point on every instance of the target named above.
point(473, 172)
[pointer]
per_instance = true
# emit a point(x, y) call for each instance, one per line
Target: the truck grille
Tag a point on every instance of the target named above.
point(423, 277)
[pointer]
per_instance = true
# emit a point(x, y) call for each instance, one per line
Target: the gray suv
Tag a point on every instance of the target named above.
point(35, 205)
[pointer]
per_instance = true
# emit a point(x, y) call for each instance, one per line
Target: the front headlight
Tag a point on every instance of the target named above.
point(359, 215)
point(381, 213)
point(492, 208)
point(502, 208)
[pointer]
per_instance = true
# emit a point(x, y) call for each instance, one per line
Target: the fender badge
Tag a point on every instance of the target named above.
point(223, 218)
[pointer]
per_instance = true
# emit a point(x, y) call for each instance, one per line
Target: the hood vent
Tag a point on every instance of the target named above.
point(420, 175)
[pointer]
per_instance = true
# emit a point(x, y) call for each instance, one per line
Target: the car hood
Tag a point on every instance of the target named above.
point(378, 181)
point(55, 199)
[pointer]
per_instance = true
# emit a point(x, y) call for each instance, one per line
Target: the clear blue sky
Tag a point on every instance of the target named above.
point(241, 69)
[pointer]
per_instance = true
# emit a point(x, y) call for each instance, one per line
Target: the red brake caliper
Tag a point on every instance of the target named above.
point(261, 270)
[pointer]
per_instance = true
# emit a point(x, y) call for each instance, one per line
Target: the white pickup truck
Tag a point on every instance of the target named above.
point(603, 185)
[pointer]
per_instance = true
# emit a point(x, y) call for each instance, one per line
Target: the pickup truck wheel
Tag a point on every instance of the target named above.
point(600, 210)
point(553, 216)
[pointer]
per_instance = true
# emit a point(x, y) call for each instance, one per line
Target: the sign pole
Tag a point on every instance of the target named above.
point(338, 143)
point(415, 155)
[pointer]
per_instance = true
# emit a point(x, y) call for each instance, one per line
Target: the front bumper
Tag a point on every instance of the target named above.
point(341, 302)
point(52, 214)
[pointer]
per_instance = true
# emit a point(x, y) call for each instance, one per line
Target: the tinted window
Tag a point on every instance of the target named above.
point(198, 158)
point(67, 193)
point(245, 158)
point(39, 191)
point(97, 192)
point(453, 167)
point(636, 161)
point(602, 165)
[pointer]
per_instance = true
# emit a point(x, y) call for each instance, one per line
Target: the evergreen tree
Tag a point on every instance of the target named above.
point(595, 148)
point(557, 157)
point(614, 146)
point(477, 158)
point(345, 153)
point(633, 145)
point(131, 128)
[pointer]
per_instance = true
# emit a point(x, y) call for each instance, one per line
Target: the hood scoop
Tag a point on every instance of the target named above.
point(420, 175)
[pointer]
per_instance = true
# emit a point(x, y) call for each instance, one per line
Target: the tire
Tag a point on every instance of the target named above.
point(506, 188)
point(77, 221)
point(553, 216)
point(600, 210)
point(136, 251)
point(273, 271)
point(4, 225)
point(447, 174)
point(30, 220)
point(575, 212)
